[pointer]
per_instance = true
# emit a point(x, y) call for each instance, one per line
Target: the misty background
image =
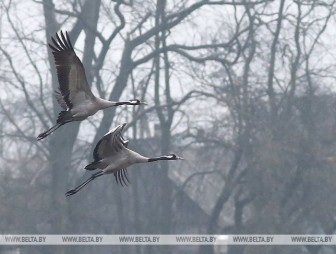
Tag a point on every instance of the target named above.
point(244, 90)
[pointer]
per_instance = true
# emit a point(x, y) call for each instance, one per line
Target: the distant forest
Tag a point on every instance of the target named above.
point(244, 90)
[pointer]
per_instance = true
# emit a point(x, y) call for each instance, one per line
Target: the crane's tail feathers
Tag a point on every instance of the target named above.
point(48, 132)
point(126, 176)
point(121, 177)
point(93, 165)
point(79, 187)
point(64, 117)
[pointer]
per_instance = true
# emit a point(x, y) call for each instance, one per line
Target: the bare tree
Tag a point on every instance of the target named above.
point(241, 95)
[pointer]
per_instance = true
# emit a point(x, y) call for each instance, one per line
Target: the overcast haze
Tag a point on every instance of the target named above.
point(243, 90)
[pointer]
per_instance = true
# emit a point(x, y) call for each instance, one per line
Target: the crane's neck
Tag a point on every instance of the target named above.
point(138, 158)
point(107, 104)
point(161, 158)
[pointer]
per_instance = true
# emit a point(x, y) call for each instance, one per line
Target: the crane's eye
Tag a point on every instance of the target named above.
point(172, 156)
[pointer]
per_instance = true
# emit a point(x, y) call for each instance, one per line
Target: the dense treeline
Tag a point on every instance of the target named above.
point(242, 89)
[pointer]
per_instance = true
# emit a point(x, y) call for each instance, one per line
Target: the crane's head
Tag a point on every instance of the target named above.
point(136, 102)
point(172, 157)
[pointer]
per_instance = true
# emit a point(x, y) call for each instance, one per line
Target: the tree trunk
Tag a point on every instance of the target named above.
point(61, 142)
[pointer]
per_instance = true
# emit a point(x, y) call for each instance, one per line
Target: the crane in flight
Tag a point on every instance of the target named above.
point(74, 95)
point(111, 155)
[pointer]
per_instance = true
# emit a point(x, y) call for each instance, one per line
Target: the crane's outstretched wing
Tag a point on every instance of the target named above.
point(60, 100)
point(72, 81)
point(110, 144)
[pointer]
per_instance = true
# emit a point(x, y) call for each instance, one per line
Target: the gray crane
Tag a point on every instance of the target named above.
point(74, 95)
point(111, 155)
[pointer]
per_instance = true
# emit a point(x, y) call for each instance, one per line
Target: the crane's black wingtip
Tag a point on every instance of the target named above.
point(123, 126)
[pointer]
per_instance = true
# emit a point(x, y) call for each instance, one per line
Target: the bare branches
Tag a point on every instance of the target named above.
point(175, 18)
point(214, 87)
point(20, 133)
point(21, 81)
point(106, 43)
point(140, 24)
point(33, 64)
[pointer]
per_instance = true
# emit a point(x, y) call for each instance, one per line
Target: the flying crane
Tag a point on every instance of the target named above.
point(74, 95)
point(111, 155)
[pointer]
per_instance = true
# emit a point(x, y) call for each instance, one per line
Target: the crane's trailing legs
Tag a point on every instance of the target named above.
point(48, 132)
point(79, 187)
point(63, 118)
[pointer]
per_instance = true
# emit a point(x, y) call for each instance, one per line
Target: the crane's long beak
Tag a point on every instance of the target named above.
point(143, 103)
point(179, 158)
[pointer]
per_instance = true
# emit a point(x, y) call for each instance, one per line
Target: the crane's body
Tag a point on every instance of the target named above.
point(124, 159)
point(111, 155)
point(88, 107)
point(74, 95)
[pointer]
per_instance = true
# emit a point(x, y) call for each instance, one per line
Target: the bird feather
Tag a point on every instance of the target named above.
point(72, 80)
